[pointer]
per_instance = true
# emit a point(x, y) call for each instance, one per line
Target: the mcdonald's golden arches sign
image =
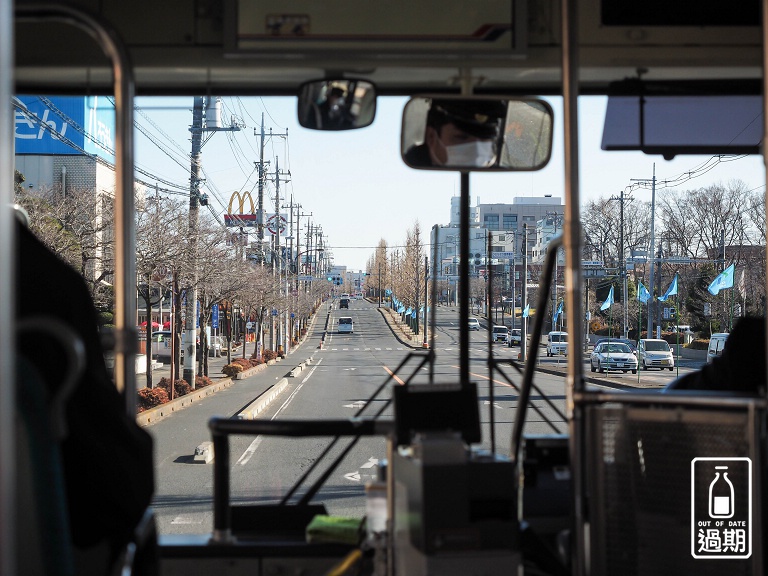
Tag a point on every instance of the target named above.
point(240, 202)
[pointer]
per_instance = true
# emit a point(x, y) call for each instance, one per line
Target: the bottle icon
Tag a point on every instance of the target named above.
point(721, 495)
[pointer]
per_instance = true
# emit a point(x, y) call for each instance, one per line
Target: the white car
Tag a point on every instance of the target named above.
point(474, 324)
point(652, 353)
point(716, 345)
point(557, 343)
point(613, 356)
point(515, 337)
point(500, 333)
point(346, 326)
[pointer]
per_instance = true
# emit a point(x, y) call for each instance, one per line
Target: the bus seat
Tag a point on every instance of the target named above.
point(41, 506)
point(106, 458)
point(639, 479)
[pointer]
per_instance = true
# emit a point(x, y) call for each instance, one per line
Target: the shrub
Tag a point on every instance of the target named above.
point(151, 397)
point(202, 381)
point(180, 387)
point(698, 344)
point(268, 355)
point(233, 369)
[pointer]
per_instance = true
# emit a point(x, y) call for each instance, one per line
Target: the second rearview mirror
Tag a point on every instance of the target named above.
point(476, 133)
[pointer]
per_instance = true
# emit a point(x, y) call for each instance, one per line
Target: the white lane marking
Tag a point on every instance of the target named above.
point(185, 520)
point(354, 476)
point(371, 463)
point(251, 450)
point(495, 405)
point(357, 404)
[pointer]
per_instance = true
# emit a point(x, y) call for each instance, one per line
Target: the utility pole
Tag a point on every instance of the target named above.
point(556, 219)
point(208, 122)
point(622, 262)
point(282, 326)
point(651, 247)
point(524, 296)
point(190, 310)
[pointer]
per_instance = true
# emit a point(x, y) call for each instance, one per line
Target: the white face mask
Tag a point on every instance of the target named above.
point(478, 153)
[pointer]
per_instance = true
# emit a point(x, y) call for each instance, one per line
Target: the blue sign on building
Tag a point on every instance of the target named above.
point(59, 124)
point(215, 316)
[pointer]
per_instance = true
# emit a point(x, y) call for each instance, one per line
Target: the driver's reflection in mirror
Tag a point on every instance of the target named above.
point(333, 112)
point(460, 134)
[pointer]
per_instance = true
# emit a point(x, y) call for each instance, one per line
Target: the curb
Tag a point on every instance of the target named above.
point(387, 321)
point(253, 409)
point(158, 413)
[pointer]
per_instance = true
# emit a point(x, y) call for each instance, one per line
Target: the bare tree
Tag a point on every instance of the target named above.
point(77, 226)
point(160, 226)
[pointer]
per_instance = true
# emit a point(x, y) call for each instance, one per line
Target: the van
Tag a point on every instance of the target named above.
point(344, 303)
point(716, 345)
point(500, 333)
point(346, 326)
point(557, 343)
point(653, 353)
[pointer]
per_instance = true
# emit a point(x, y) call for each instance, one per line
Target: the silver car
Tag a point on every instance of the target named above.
point(653, 353)
point(613, 356)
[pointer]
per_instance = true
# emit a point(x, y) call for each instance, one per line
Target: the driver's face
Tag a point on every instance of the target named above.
point(446, 135)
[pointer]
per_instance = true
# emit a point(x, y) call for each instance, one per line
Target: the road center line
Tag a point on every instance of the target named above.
point(395, 378)
point(251, 450)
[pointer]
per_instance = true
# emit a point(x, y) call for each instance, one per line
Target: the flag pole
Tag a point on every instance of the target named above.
point(677, 331)
point(639, 328)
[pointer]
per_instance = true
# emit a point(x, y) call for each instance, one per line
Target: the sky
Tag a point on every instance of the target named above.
point(355, 185)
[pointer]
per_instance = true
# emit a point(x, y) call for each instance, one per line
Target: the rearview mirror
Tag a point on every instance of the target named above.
point(334, 104)
point(476, 134)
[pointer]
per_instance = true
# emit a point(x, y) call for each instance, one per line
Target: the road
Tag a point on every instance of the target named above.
point(341, 381)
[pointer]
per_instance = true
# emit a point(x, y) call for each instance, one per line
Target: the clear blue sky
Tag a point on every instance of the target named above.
point(357, 187)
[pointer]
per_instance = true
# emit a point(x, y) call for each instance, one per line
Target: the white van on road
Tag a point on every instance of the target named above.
point(557, 343)
point(716, 345)
point(346, 326)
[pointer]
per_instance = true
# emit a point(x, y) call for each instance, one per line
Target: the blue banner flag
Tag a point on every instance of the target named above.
point(558, 311)
point(723, 280)
point(642, 293)
point(672, 290)
point(608, 301)
point(527, 311)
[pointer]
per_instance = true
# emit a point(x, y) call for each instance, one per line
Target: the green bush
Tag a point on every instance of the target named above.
point(698, 344)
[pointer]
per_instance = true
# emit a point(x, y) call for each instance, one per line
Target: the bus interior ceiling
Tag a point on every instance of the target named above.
point(234, 47)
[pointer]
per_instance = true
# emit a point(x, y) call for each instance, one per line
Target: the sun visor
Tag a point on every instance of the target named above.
point(674, 123)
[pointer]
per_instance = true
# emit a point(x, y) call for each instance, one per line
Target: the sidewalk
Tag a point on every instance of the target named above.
point(215, 364)
point(252, 384)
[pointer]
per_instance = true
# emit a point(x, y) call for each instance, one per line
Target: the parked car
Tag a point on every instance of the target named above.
point(500, 333)
point(474, 324)
point(515, 337)
point(557, 343)
point(631, 343)
point(716, 345)
point(161, 344)
point(652, 353)
point(613, 355)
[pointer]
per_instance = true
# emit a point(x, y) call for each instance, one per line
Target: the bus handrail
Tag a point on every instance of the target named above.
point(222, 428)
point(126, 338)
point(530, 364)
